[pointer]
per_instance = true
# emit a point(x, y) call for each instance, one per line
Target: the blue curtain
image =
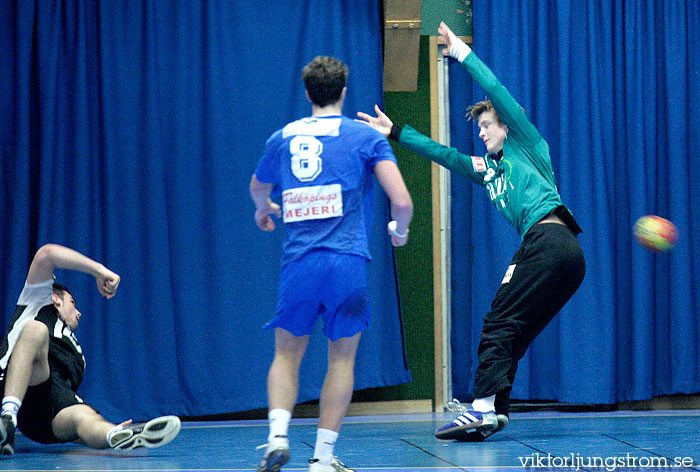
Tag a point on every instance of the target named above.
point(614, 87)
point(129, 131)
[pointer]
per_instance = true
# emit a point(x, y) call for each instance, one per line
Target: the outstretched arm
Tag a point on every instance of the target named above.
point(411, 139)
point(51, 256)
point(264, 207)
point(508, 109)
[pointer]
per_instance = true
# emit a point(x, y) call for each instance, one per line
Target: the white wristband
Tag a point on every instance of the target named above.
point(459, 50)
point(392, 230)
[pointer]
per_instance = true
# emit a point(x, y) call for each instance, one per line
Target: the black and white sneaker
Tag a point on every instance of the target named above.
point(474, 435)
point(7, 435)
point(154, 433)
point(470, 421)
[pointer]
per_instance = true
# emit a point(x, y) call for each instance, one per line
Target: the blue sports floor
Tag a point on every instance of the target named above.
point(640, 441)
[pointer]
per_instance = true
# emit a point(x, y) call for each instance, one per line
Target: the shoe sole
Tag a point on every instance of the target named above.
point(157, 432)
point(461, 430)
point(275, 461)
point(474, 432)
point(479, 436)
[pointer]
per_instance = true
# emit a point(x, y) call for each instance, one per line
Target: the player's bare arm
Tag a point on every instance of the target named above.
point(52, 256)
point(392, 182)
point(264, 207)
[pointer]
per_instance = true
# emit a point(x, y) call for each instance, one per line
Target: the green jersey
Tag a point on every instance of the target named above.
point(521, 183)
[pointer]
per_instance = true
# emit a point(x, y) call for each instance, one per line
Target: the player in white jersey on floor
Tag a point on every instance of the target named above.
point(42, 365)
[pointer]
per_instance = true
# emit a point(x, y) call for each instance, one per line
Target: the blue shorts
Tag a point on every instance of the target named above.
point(323, 283)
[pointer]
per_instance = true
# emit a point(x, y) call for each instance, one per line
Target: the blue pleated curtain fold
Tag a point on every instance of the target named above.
point(614, 87)
point(129, 131)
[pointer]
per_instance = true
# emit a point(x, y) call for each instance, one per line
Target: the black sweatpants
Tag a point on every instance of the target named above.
point(544, 273)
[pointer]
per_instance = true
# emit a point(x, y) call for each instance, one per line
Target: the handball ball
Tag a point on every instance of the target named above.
point(655, 233)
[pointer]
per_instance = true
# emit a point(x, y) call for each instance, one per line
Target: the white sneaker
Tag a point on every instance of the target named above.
point(315, 465)
point(276, 454)
point(154, 433)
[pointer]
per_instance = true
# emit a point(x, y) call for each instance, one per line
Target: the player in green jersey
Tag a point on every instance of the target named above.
point(548, 267)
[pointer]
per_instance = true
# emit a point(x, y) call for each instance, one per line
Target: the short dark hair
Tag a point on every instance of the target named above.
point(60, 290)
point(324, 78)
point(474, 111)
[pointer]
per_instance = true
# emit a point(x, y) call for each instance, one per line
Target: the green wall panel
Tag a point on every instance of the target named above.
point(456, 13)
point(415, 260)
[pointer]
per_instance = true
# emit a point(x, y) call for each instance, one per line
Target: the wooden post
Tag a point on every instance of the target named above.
point(437, 236)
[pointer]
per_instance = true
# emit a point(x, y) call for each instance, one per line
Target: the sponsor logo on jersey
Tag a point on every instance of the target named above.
point(509, 274)
point(498, 183)
point(312, 203)
point(479, 164)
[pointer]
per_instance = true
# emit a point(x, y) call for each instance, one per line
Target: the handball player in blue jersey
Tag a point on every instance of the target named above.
point(323, 167)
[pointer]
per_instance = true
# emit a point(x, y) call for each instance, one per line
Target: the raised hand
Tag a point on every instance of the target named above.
point(447, 36)
point(381, 122)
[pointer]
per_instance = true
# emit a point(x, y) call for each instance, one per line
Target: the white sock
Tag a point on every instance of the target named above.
point(111, 433)
point(11, 406)
point(279, 422)
point(325, 443)
point(484, 404)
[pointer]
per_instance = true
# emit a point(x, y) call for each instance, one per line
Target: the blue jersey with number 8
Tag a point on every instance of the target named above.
point(322, 167)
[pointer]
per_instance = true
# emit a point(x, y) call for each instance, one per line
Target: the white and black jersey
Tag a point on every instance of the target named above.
point(65, 354)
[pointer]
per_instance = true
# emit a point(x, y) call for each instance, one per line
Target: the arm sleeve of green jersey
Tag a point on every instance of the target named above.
point(509, 110)
point(448, 157)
